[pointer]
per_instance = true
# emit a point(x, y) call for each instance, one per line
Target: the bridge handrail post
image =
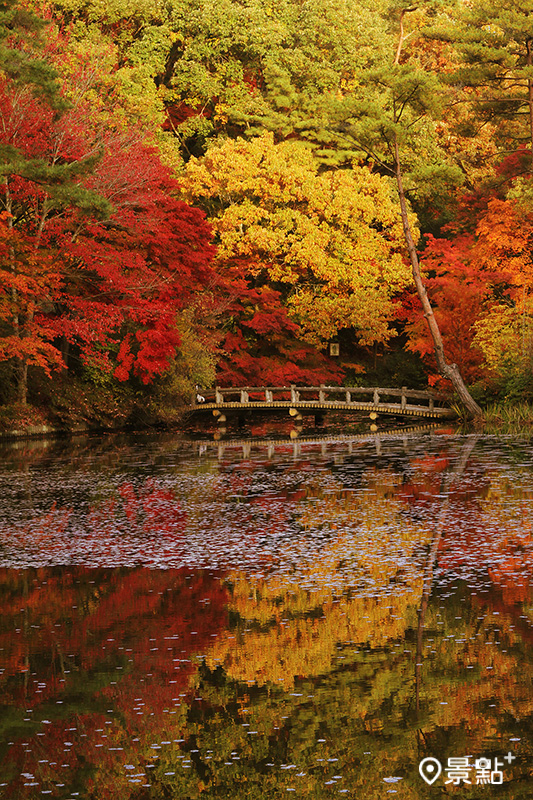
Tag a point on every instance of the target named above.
point(245, 397)
point(376, 397)
point(431, 403)
point(322, 394)
point(348, 396)
point(404, 397)
point(295, 394)
point(268, 396)
point(219, 397)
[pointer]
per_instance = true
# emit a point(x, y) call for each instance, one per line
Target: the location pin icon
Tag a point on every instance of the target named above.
point(430, 769)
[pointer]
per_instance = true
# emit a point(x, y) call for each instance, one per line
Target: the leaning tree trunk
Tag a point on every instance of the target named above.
point(450, 371)
point(529, 62)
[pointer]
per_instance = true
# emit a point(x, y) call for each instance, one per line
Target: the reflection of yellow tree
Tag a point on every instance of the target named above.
point(302, 619)
point(305, 646)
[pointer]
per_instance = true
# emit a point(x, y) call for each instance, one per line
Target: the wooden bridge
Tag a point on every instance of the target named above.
point(319, 399)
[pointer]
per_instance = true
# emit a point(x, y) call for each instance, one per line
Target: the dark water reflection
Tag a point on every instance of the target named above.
point(188, 620)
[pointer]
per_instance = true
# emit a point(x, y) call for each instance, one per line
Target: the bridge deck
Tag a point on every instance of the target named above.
point(323, 398)
point(382, 408)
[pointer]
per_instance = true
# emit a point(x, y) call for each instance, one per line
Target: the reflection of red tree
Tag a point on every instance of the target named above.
point(270, 511)
point(508, 605)
point(474, 543)
point(147, 509)
point(423, 491)
point(428, 488)
point(140, 515)
point(514, 574)
point(466, 542)
point(505, 577)
point(136, 632)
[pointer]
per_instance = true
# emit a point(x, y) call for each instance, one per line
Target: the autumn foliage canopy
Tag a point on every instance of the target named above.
point(183, 204)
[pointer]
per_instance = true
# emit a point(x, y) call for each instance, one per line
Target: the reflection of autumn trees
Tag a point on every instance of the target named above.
point(305, 644)
point(508, 505)
point(249, 685)
point(295, 630)
point(357, 720)
point(102, 656)
point(362, 704)
point(108, 525)
point(490, 530)
point(488, 525)
point(287, 635)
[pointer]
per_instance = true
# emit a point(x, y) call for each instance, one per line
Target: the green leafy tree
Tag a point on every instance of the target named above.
point(495, 42)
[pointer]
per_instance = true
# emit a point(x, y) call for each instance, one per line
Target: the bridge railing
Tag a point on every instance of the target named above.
point(345, 394)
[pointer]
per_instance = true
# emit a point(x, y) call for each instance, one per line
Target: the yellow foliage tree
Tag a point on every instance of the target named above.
point(331, 241)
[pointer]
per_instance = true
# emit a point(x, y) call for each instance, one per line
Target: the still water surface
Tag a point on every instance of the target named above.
point(205, 620)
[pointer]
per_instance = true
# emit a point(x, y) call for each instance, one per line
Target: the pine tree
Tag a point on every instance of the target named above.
point(392, 118)
point(495, 43)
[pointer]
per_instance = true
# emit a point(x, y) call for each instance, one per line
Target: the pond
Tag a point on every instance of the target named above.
point(337, 616)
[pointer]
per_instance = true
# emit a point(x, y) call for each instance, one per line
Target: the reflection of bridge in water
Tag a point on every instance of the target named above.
point(259, 448)
point(318, 400)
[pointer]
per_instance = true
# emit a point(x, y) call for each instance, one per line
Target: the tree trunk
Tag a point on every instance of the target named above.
point(529, 61)
point(449, 371)
point(65, 350)
point(21, 376)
